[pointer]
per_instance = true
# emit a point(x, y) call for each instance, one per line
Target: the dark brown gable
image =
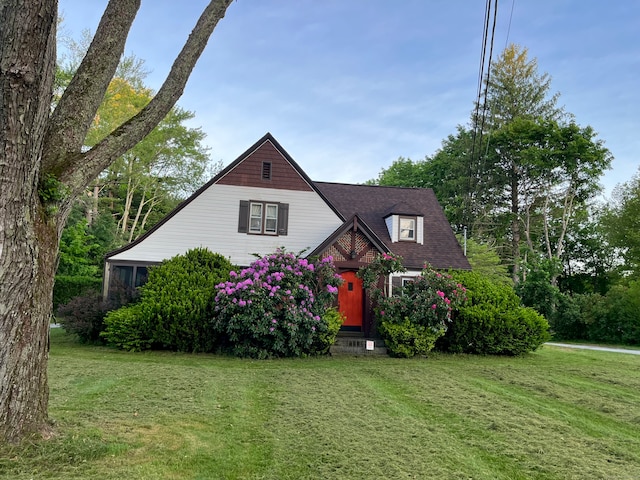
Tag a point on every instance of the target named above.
point(265, 167)
point(352, 249)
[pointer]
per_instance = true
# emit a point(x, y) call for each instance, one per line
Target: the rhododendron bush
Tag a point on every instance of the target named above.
point(276, 307)
point(416, 315)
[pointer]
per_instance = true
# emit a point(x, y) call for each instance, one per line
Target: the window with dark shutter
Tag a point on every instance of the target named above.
point(263, 218)
point(266, 170)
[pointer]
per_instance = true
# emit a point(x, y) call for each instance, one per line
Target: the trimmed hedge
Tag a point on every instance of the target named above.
point(175, 309)
point(493, 321)
point(125, 329)
point(67, 287)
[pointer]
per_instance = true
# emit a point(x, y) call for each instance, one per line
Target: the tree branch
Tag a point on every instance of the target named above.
point(77, 107)
point(84, 168)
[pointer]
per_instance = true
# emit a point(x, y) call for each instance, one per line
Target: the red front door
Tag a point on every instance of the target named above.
point(350, 300)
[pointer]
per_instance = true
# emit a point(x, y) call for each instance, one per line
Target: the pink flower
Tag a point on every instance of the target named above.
point(440, 293)
point(434, 306)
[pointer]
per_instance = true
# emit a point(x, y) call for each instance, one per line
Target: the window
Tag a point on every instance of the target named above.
point(125, 279)
point(407, 229)
point(407, 280)
point(255, 222)
point(271, 220)
point(263, 218)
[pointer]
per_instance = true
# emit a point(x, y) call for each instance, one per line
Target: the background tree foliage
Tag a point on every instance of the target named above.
point(520, 174)
point(142, 185)
point(621, 221)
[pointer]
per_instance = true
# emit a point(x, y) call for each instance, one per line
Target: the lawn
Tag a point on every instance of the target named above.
point(553, 414)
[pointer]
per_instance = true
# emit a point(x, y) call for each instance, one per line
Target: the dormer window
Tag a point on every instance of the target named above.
point(407, 229)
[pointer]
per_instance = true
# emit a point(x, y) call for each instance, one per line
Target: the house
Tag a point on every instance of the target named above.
point(264, 200)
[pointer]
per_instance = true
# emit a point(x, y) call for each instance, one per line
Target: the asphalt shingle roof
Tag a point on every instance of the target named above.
point(373, 203)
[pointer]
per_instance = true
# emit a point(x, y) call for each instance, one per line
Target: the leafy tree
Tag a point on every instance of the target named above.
point(44, 167)
point(543, 171)
point(167, 164)
point(520, 173)
point(621, 222)
point(404, 172)
point(485, 261)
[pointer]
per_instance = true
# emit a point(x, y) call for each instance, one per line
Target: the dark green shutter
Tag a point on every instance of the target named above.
point(283, 218)
point(243, 217)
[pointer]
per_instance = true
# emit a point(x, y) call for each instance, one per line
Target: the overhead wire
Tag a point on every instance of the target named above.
point(484, 72)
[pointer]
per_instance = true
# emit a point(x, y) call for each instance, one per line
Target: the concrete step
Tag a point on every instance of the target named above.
point(357, 345)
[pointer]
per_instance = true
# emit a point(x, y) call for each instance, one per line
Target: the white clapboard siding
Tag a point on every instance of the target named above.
point(211, 220)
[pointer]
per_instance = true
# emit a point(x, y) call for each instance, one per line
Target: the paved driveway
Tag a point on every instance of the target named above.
point(590, 347)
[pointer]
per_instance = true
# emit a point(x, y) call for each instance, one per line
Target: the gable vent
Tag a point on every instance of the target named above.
point(266, 170)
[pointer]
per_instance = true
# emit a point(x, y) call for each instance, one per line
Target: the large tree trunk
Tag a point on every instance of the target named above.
point(43, 169)
point(28, 237)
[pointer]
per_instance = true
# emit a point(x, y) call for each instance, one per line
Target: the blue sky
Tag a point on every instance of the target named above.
point(348, 86)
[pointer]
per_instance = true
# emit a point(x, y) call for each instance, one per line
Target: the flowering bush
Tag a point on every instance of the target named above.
point(424, 306)
point(381, 266)
point(428, 300)
point(275, 307)
point(410, 322)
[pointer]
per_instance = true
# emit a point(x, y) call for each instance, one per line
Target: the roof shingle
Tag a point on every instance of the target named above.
point(373, 203)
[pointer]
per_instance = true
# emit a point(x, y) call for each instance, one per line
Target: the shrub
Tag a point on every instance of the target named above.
point(177, 301)
point(176, 304)
point(67, 287)
point(493, 322)
point(617, 319)
point(404, 338)
point(84, 316)
point(125, 329)
point(334, 320)
point(275, 307)
point(410, 322)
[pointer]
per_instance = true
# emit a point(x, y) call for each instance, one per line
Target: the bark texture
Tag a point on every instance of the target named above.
point(27, 241)
point(43, 170)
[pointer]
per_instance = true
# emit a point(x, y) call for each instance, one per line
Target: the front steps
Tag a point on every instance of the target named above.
point(355, 343)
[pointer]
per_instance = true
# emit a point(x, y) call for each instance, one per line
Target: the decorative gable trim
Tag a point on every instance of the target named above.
point(351, 243)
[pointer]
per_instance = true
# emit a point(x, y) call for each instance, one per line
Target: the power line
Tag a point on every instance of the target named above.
point(506, 42)
point(481, 114)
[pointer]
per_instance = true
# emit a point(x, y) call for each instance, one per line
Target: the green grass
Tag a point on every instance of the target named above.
point(554, 414)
